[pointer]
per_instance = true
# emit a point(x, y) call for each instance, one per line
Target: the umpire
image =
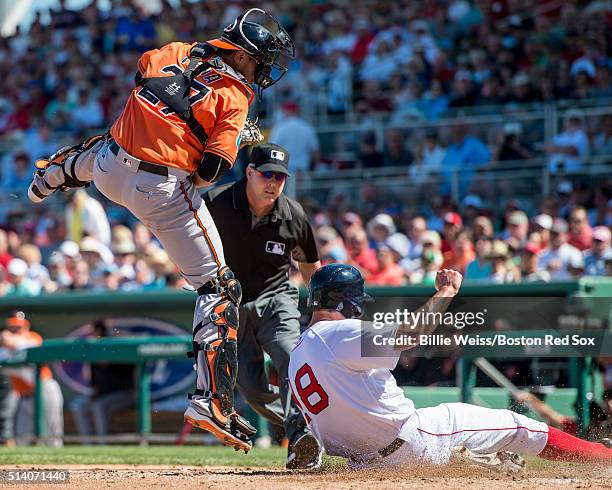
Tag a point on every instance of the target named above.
point(262, 230)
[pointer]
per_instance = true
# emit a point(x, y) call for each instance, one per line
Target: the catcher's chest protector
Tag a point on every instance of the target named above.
point(174, 90)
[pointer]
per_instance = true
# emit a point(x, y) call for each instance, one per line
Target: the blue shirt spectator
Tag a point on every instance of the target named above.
point(465, 154)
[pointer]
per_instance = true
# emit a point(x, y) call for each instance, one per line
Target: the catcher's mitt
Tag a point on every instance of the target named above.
point(250, 133)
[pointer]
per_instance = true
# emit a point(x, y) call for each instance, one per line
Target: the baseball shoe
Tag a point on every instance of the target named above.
point(234, 433)
point(305, 453)
point(501, 461)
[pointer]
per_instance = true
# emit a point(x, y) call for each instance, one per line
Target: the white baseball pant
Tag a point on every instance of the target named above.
point(431, 433)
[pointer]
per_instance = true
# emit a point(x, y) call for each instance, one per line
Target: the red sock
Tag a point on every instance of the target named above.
point(562, 446)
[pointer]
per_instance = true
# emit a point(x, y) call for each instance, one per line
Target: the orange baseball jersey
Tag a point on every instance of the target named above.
point(148, 130)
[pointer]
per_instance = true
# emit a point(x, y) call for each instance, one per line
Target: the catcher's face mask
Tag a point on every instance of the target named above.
point(262, 37)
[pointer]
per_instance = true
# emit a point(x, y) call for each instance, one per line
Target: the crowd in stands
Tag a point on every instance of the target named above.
point(73, 69)
point(70, 72)
point(567, 237)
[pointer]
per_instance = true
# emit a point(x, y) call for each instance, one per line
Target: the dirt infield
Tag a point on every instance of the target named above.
point(452, 476)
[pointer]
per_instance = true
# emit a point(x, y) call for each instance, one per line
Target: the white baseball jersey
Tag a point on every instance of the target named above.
point(354, 407)
point(351, 403)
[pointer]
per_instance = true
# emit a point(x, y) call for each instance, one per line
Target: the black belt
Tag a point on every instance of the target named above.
point(382, 453)
point(152, 168)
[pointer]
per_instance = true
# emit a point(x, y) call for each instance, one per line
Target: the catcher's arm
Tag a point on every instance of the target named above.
point(213, 166)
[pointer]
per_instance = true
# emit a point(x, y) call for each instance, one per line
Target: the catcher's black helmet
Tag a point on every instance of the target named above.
point(260, 35)
point(338, 287)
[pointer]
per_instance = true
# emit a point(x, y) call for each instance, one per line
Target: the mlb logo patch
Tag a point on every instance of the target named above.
point(279, 155)
point(275, 248)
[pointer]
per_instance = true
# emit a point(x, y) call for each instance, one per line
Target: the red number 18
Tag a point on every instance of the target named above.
point(310, 388)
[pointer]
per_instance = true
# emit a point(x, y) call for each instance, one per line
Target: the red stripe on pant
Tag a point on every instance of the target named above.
point(197, 218)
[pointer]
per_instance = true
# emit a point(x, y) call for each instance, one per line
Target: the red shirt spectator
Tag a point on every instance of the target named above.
point(452, 225)
point(361, 255)
point(389, 273)
point(581, 234)
point(460, 255)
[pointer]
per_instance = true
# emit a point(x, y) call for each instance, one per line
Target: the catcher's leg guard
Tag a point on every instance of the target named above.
point(68, 168)
point(215, 350)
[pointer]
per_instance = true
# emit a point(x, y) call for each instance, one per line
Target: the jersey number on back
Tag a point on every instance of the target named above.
point(200, 90)
point(307, 386)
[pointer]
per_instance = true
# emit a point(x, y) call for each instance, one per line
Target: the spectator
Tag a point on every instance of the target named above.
point(529, 265)
point(453, 224)
point(135, 32)
point(511, 146)
point(37, 273)
point(125, 259)
point(464, 155)
point(460, 254)
point(521, 89)
point(482, 228)
point(595, 258)
point(330, 245)
point(19, 283)
point(298, 136)
point(600, 214)
point(399, 244)
point(471, 208)
point(431, 259)
point(417, 227)
point(97, 257)
point(503, 269)
point(87, 112)
point(19, 174)
point(580, 230)
point(396, 154)
point(360, 254)
point(569, 148)
point(389, 272)
point(464, 93)
point(369, 156)
point(81, 280)
point(381, 227)
point(38, 141)
point(480, 269)
point(86, 216)
point(60, 278)
point(602, 142)
point(556, 259)
point(542, 225)
point(429, 162)
point(58, 111)
point(112, 390)
point(434, 102)
point(516, 230)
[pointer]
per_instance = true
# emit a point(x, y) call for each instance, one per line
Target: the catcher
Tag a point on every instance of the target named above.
point(181, 128)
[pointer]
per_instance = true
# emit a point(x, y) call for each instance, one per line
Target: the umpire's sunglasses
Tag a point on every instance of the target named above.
point(278, 176)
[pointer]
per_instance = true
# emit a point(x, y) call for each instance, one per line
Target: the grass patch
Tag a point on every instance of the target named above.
point(152, 455)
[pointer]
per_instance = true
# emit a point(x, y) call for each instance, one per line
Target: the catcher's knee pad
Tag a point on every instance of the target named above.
point(229, 285)
point(66, 159)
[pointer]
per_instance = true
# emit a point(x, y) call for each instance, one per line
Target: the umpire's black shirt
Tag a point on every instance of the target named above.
point(260, 252)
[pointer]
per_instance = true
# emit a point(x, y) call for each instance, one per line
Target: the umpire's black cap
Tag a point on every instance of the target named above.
point(267, 157)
